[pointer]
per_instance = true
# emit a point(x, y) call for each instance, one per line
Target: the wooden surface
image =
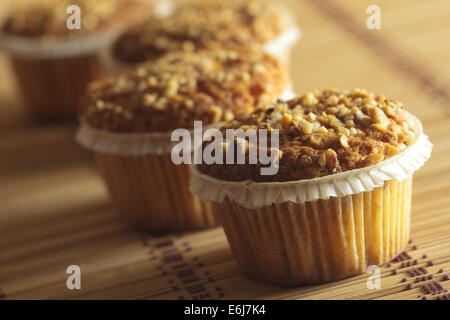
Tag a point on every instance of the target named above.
point(54, 211)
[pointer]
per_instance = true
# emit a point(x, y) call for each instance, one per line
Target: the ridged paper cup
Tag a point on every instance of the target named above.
point(322, 229)
point(151, 192)
point(281, 46)
point(53, 76)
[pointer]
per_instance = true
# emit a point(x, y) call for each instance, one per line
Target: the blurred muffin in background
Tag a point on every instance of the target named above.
point(197, 24)
point(129, 120)
point(54, 63)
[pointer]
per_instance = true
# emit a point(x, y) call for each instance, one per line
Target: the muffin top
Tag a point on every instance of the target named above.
point(47, 18)
point(322, 133)
point(196, 24)
point(175, 90)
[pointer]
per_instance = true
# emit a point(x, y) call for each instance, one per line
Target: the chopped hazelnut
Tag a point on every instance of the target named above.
point(286, 119)
point(216, 113)
point(359, 93)
point(316, 139)
point(332, 100)
point(189, 103)
point(172, 88)
point(345, 131)
point(228, 116)
point(332, 159)
point(259, 68)
point(306, 126)
point(322, 129)
point(148, 99)
point(309, 99)
point(344, 141)
point(322, 160)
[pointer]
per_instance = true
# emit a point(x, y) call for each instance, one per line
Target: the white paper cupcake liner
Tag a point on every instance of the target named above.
point(281, 46)
point(73, 46)
point(131, 144)
point(254, 195)
point(288, 94)
point(152, 193)
point(319, 241)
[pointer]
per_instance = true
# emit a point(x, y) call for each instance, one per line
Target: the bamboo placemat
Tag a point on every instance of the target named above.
point(55, 212)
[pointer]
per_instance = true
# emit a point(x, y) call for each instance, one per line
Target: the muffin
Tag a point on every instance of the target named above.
point(340, 197)
point(129, 119)
point(196, 25)
point(54, 64)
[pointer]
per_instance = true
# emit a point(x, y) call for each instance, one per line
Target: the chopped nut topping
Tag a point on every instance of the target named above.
point(309, 99)
point(318, 137)
point(148, 99)
point(181, 87)
point(322, 160)
point(47, 18)
point(216, 112)
point(201, 24)
point(344, 141)
point(307, 127)
point(332, 159)
point(228, 116)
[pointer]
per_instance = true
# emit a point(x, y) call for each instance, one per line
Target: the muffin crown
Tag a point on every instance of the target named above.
point(172, 92)
point(198, 24)
point(47, 18)
point(323, 133)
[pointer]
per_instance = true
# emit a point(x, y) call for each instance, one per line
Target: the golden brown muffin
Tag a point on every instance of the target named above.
point(47, 18)
point(324, 133)
point(54, 64)
point(181, 87)
point(341, 198)
point(198, 24)
point(156, 98)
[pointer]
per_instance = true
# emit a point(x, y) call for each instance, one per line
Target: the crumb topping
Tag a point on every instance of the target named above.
point(322, 133)
point(47, 18)
point(197, 24)
point(181, 87)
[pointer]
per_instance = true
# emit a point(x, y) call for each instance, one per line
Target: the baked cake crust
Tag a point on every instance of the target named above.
point(199, 24)
point(323, 133)
point(47, 18)
point(172, 92)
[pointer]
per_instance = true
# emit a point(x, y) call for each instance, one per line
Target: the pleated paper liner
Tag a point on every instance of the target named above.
point(319, 241)
point(52, 88)
point(152, 192)
point(281, 46)
point(321, 229)
point(54, 76)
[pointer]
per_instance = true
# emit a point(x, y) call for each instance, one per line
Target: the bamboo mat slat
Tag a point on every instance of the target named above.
point(55, 212)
